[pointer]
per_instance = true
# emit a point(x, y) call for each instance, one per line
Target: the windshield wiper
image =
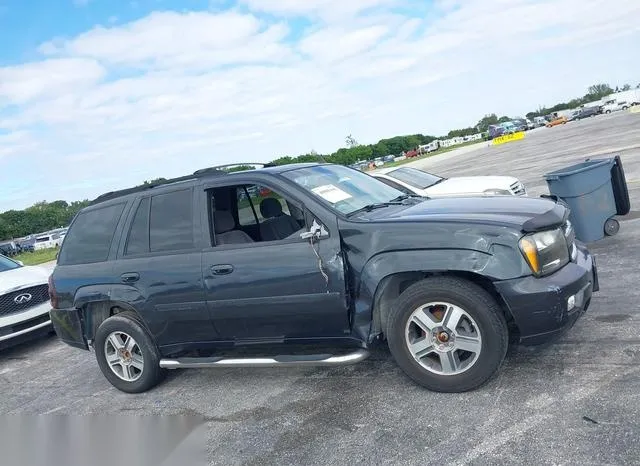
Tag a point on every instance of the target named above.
point(370, 207)
point(404, 197)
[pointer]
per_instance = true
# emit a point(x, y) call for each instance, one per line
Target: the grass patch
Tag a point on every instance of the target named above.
point(431, 154)
point(37, 257)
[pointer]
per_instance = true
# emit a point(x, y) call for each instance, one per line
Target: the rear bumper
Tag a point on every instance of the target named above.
point(69, 327)
point(541, 307)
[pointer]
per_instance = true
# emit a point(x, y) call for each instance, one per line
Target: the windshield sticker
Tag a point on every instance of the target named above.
point(331, 193)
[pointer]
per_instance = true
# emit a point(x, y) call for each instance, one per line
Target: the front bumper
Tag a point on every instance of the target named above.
point(15, 327)
point(543, 308)
point(68, 325)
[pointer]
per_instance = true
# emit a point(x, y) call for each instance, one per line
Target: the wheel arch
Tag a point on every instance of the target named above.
point(392, 285)
point(95, 313)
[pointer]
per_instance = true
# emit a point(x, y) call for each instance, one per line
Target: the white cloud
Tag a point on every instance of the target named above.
point(172, 92)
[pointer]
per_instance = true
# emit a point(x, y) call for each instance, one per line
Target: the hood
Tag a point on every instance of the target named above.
point(22, 277)
point(471, 185)
point(525, 213)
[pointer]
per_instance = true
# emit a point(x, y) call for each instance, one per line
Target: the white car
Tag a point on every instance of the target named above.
point(614, 106)
point(24, 300)
point(414, 181)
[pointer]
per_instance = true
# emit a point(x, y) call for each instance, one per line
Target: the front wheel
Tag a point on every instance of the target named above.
point(127, 355)
point(447, 334)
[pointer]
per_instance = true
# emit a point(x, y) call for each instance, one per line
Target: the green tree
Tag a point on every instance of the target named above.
point(598, 91)
point(626, 87)
point(490, 119)
point(503, 119)
point(380, 150)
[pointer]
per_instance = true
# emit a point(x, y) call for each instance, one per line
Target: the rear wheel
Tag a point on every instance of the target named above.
point(127, 355)
point(447, 334)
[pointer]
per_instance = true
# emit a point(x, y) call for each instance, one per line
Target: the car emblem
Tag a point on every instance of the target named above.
point(22, 298)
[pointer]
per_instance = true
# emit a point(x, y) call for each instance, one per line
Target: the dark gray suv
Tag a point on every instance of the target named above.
point(313, 264)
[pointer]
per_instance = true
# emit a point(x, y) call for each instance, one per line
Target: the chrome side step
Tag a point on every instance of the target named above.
point(276, 361)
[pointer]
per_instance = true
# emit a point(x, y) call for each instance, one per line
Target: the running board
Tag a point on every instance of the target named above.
point(277, 361)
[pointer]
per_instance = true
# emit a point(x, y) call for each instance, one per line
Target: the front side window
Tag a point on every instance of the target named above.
point(171, 221)
point(89, 238)
point(253, 198)
point(344, 189)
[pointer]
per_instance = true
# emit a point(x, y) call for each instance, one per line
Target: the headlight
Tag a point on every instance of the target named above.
point(545, 251)
point(497, 192)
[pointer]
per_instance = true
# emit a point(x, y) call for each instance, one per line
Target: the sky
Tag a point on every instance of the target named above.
point(97, 95)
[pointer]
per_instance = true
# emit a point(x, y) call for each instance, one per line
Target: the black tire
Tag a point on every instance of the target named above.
point(129, 323)
point(611, 227)
point(479, 304)
point(607, 112)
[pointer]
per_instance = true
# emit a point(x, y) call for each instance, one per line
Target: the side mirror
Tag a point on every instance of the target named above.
point(316, 231)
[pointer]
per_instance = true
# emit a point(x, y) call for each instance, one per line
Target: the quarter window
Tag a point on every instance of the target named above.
point(89, 238)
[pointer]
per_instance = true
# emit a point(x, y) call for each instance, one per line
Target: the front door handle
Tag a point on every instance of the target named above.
point(221, 269)
point(130, 277)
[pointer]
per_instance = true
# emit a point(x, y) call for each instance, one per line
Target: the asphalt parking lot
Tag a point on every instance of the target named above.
point(574, 402)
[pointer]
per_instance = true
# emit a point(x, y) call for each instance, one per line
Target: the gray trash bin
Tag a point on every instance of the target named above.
point(588, 191)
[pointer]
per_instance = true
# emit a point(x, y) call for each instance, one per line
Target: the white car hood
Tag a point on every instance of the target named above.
point(471, 185)
point(22, 277)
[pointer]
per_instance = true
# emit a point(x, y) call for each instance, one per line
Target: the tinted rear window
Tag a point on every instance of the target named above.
point(89, 238)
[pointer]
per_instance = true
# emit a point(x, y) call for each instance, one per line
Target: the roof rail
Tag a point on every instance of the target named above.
point(210, 171)
point(222, 168)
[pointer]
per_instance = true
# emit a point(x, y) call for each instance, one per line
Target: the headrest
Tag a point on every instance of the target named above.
point(223, 221)
point(270, 207)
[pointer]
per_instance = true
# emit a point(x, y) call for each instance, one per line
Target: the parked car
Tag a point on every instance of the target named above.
point(557, 121)
point(539, 121)
point(509, 127)
point(615, 105)
point(495, 131)
point(413, 181)
point(520, 124)
point(182, 275)
point(24, 301)
point(587, 112)
point(9, 248)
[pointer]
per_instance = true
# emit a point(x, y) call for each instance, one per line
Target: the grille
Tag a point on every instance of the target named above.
point(517, 188)
point(8, 305)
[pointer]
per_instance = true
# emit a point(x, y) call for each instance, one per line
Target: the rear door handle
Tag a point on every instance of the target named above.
point(221, 269)
point(130, 277)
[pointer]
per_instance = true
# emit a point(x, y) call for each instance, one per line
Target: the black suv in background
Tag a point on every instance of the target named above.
point(587, 112)
point(284, 260)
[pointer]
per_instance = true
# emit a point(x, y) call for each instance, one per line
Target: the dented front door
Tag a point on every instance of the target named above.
point(293, 288)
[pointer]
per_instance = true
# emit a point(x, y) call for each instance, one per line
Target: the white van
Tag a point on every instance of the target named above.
point(47, 242)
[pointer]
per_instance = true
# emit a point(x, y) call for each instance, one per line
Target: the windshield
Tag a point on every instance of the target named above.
point(7, 264)
point(343, 188)
point(416, 178)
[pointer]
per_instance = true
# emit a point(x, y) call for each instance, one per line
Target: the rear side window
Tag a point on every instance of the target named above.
point(89, 238)
point(171, 221)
